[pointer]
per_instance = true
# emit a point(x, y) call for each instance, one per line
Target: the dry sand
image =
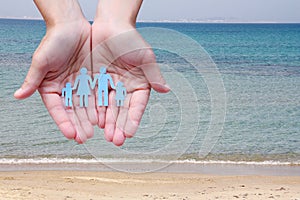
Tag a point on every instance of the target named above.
point(112, 185)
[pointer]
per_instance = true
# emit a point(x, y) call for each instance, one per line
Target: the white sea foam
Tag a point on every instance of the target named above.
point(12, 161)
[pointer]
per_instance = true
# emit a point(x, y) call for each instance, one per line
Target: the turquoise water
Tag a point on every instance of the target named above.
point(260, 68)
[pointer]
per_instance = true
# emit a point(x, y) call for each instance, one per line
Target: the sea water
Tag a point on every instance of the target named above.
point(259, 65)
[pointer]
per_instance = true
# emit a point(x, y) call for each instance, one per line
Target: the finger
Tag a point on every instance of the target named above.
point(119, 136)
point(101, 112)
point(81, 136)
point(111, 117)
point(57, 111)
point(91, 111)
point(33, 79)
point(137, 106)
point(155, 78)
point(101, 116)
point(82, 123)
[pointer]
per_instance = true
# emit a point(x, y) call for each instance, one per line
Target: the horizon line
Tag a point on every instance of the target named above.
point(225, 21)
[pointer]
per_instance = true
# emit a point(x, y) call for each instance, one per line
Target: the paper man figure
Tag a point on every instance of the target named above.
point(103, 78)
point(120, 94)
point(67, 93)
point(82, 82)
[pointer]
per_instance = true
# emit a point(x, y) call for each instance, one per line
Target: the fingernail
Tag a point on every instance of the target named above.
point(18, 91)
point(167, 87)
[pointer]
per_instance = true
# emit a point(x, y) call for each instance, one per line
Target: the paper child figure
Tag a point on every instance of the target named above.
point(67, 93)
point(103, 78)
point(120, 94)
point(83, 82)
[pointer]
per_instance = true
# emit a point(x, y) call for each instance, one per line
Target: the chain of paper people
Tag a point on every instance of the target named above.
point(84, 84)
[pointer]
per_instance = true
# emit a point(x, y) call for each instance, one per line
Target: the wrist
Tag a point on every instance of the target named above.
point(111, 28)
point(59, 11)
point(114, 21)
point(118, 12)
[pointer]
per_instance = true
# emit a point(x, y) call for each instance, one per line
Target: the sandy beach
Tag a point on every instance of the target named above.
point(114, 185)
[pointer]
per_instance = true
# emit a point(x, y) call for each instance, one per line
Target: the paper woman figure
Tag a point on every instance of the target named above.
point(83, 82)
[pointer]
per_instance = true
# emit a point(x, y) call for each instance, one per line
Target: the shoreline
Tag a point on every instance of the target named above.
point(140, 168)
point(115, 185)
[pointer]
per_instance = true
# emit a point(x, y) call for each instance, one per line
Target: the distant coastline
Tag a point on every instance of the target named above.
point(215, 22)
point(204, 21)
point(23, 18)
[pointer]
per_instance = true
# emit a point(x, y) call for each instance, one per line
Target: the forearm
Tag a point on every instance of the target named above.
point(118, 11)
point(59, 11)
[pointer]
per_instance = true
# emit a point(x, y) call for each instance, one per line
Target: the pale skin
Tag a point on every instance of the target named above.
point(65, 48)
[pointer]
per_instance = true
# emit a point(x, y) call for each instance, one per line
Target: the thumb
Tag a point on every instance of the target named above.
point(155, 78)
point(32, 81)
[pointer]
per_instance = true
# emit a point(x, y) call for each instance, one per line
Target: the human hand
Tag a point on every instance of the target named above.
point(57, 60)
point(130, 60)
point(63, 52)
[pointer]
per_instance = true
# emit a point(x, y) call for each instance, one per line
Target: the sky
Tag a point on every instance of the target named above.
point(176, 10)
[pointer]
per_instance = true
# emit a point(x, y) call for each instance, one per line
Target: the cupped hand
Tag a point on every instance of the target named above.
point(128, 59)
point(57, 60)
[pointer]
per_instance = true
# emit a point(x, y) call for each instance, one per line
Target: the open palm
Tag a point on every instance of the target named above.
point(129, 59)
point(58, 59)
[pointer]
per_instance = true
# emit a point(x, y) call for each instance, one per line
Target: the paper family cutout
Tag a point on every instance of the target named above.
point(84, 83)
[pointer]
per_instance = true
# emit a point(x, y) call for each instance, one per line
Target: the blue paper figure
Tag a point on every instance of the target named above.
point(83, 82)
point(120, 94)
point(103, 78)
point(67, 93)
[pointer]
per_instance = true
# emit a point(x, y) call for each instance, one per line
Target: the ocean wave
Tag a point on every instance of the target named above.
point(12, 161)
